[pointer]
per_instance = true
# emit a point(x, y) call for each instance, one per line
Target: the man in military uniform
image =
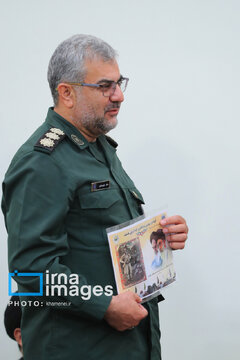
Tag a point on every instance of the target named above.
point(63, 188)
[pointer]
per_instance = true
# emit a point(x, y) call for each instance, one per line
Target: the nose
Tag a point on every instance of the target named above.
point(117, 95)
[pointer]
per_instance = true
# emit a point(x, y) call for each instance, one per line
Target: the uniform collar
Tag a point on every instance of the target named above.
point(55, 120)
point(108, 147)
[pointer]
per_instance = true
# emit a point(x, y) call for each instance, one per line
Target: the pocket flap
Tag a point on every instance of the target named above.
point(99, 200)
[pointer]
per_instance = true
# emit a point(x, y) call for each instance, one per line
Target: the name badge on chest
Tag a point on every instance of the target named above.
point(100, 185)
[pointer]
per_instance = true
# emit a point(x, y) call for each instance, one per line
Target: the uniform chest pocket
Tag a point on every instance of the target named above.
point(102, 199)
point(97, 211)
point(104, 208)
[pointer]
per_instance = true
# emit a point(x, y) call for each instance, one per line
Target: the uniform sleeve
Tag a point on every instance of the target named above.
point(36, 198)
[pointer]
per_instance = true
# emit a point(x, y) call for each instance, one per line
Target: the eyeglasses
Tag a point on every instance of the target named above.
point(107, 87)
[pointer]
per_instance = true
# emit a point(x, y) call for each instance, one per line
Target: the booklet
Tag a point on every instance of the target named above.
point(141, 257)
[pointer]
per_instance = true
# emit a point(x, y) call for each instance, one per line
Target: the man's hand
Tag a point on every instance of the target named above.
point(176, 230)
point(125, 311)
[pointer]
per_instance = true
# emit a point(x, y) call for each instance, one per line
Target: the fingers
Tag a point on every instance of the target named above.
point(138, 300)
point(176, 237)
point(176, 219)
point(175, 229)
point(136, 297)
point(143, 310)
point(177, 245)
point(125, 311)
point(177, 241)
point(129, 295)
point(174, 224)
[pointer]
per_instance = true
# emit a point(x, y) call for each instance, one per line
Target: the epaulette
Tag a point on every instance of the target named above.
point(50, 140)
point(111, 141)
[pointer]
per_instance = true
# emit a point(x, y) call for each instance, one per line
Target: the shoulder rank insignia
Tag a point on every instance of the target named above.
point(111, 141)
point(50, 139)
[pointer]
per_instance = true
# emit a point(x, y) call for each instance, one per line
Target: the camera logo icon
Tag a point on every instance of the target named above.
point(16, 273)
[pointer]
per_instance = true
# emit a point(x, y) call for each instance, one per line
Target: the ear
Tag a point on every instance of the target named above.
point(18, 336)
point(66, 95)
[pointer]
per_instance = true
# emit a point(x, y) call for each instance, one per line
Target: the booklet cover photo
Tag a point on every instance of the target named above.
point(141, 257)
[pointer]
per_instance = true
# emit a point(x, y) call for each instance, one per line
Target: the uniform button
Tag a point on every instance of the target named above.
point(77, 140)
point(134, 194)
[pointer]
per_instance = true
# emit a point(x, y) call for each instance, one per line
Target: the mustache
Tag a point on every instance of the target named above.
point(115, 105)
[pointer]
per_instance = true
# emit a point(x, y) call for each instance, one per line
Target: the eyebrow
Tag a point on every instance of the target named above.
point(109, 81)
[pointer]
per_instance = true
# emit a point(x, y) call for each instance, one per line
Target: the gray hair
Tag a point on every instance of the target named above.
point(68, 60)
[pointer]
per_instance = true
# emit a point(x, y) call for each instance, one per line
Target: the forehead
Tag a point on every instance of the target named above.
point(97, 70)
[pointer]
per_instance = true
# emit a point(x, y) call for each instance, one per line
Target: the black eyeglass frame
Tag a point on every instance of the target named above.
point(112, 85)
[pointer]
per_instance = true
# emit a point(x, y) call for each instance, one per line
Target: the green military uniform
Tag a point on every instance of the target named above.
point(60, 193)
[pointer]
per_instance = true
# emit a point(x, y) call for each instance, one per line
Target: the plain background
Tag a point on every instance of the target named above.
point(178, 138)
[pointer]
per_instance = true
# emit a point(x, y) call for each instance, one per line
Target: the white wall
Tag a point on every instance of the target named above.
point(178, 138)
